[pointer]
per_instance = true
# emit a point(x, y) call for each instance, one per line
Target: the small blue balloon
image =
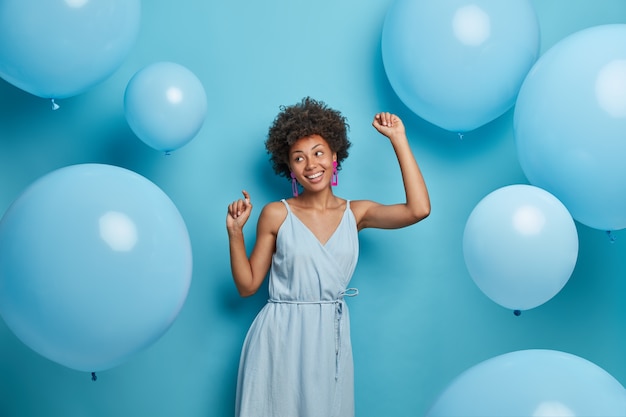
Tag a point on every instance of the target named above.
point(165, 105)
point(95, 265)
point(533, 382)
point(569, 124)
point(459, 64)
point(520, 246)
point(58, 49)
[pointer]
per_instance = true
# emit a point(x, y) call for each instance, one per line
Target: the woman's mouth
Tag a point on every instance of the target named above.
point(315, 176)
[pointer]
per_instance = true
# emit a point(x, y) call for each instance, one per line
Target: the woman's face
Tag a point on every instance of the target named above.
point(311, 160)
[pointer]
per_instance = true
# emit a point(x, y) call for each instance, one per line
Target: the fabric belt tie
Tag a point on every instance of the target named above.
point(339, 302)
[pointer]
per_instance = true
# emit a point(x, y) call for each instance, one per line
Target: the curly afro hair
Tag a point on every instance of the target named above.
point(309, 117)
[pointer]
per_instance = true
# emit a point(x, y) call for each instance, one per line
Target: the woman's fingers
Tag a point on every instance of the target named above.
point(384, 119)
point(246, 196)
point(238, 207)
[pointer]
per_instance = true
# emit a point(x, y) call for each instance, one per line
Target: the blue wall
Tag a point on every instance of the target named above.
point(419, 320)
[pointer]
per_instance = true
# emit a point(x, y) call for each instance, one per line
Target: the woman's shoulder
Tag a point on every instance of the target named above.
point(360, 207)
point(274, 213)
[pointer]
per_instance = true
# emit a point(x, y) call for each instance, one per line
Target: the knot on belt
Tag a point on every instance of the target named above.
point(339, 301)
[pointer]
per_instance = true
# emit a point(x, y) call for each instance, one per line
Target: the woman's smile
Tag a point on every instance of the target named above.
point(315, 176)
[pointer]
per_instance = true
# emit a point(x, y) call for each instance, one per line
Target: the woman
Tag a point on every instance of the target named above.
point(297, 358)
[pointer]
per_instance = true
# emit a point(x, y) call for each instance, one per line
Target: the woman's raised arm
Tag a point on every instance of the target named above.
point(417, 204)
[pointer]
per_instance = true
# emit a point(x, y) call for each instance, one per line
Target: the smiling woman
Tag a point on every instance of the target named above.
point(419, 319)
point(297, 356)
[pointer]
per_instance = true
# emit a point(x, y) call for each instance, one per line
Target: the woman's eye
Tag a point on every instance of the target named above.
point(319, 153)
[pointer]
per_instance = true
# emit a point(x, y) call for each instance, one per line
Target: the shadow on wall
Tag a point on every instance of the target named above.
point(19, 108)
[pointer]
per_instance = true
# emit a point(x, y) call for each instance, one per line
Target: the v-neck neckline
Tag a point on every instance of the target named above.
point(323, 244)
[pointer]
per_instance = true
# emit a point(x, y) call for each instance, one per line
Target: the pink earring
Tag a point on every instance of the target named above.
point(294, 185)
point(334, 180)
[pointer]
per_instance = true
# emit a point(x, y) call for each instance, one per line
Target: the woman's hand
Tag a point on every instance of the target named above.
point(238, 213)
point(389, 125)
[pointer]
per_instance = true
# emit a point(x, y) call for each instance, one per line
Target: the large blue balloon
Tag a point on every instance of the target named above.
point(520, 246)
point(165, 105)
point(536, 382)
point(57, 49)
point(459, 64)
point(569, 125)
point(95, 265)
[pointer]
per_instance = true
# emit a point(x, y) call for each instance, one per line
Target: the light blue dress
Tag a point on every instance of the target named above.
point(296, 360)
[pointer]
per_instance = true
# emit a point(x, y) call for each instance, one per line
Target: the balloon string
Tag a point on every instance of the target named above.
point(94, 377)
point(611, 236)
point(55, 106)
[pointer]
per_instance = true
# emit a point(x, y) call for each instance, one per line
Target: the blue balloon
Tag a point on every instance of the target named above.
point(535, 382)
point(520, 246)
point(58, 49)
point(569, 124)
point(459, 64)
point(95, 265)
point(165, 105)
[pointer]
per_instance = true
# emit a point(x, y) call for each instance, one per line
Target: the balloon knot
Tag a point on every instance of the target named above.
point(517, 312)
point(94, 377)
point(55, 106)
point(611, 236)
